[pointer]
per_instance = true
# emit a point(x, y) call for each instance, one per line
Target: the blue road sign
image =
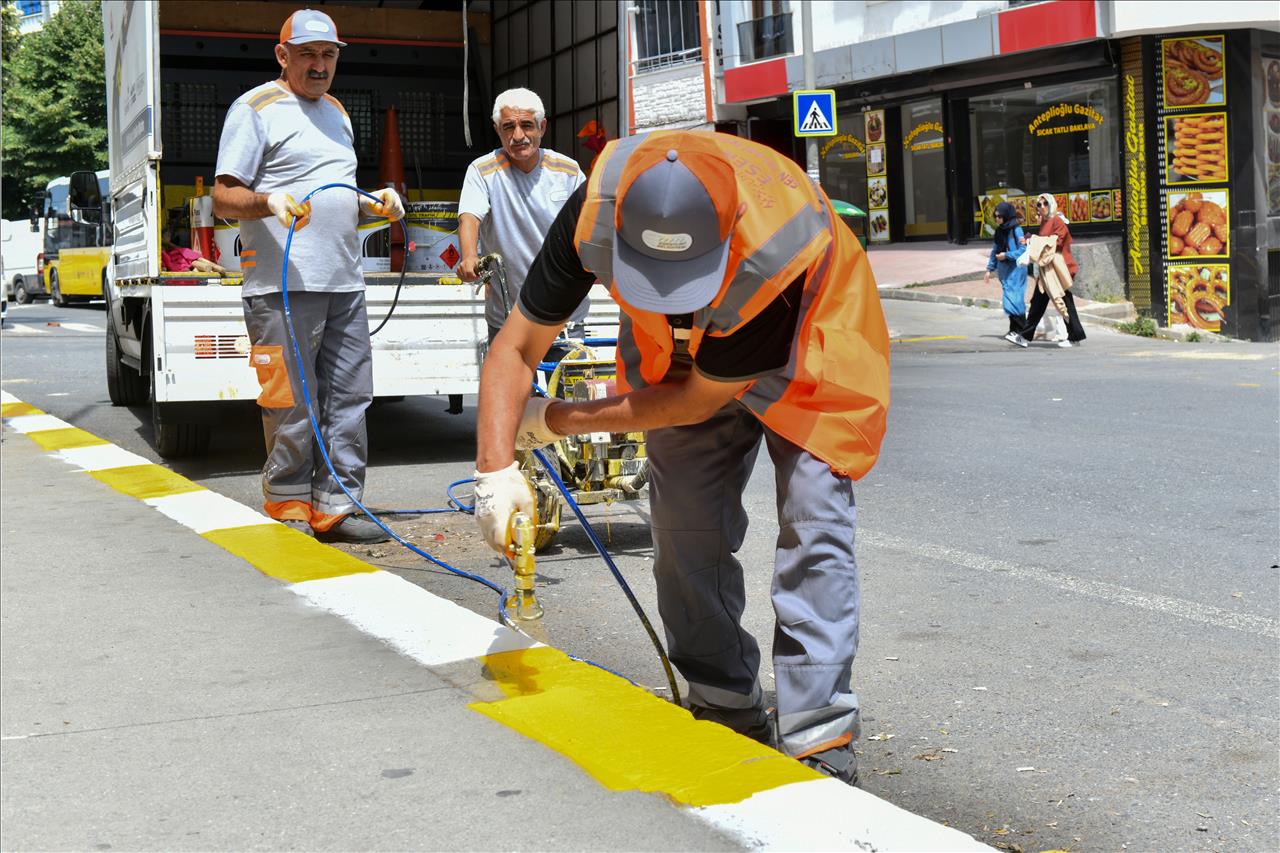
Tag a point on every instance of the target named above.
point(814, 112)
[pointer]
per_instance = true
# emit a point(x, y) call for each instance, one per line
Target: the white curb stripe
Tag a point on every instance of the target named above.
point(99, 457)
point(205, 511)
point(830, 815)
point(36, 423)
point(427, 628)
point(6, 397)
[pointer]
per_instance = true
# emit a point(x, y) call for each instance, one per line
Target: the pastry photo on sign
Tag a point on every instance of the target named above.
point(1196, 149)
point(1199, 295)
point(1198, 224)
point(1194, 72)
point(877, 192)
point(1100, 206)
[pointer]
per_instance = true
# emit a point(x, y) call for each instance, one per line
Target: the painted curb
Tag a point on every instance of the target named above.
point(764, 799)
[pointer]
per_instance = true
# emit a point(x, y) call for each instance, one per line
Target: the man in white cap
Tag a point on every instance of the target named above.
point(280, 141)
point(750, 317)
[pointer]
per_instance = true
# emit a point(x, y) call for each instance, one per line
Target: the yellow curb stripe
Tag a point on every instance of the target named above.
point(556, 700)
point(145, 481)
point(918, 340)
point(14, 410)
point(285, 554)
point(64, 439)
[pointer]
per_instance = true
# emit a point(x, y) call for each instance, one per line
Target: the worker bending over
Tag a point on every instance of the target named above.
point(749, 313)
point(280, 141)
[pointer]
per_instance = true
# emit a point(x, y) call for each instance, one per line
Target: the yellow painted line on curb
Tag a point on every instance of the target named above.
point(145, 481)
point(556, 701)
point(65, 439)
point(918, 340)
point(285, 554)
point(14, 410)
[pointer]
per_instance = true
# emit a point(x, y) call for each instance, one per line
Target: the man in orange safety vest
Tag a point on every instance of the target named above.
point(749, 312)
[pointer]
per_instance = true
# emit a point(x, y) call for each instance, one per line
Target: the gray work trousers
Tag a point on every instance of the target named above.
point(333, 336)
point(698, 474)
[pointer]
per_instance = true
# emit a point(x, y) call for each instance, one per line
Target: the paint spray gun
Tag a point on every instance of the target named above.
point(523, 603)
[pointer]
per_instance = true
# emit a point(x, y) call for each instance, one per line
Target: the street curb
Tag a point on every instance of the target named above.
point(761, 797)
point(1094, 316)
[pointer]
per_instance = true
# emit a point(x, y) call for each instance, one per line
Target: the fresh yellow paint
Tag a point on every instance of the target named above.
point(146, 481)
point(640, 743)
point(15, 410)
point(63, 439)
point(285, 554)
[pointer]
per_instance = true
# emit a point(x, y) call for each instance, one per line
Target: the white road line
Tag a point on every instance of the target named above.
point(829, 815)
point(205, 511)
point(427, 628)
point(83, 327)
point(1190, 610)
point(100, 457)
point(36, 423)
point(23, 329)
point(6, 397)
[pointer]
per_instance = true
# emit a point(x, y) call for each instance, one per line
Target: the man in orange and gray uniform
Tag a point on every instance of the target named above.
point(281, 140)
point(749, 313)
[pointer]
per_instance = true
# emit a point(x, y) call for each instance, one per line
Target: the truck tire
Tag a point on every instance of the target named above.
point(55, 290)
point(179, 440)
point(173, 439)
point(20, 294)
point(125, 386)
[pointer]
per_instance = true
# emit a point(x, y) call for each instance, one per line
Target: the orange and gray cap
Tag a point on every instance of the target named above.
point(307, 25)
point(677, 203)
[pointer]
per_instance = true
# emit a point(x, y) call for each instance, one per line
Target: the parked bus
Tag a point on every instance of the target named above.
point(77, 237)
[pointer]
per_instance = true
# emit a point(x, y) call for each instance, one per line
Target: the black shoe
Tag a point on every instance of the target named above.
point(354, 530)
point(755, 723)
point(298, 525)
point(839, 763)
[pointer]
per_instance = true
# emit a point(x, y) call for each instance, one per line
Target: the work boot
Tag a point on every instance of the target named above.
point(839, 763)
point(354, 530)
point(298, 525)
point(755, 723)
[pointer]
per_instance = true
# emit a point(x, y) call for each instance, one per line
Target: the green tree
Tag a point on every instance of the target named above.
point(10, 33)
point(54, 104)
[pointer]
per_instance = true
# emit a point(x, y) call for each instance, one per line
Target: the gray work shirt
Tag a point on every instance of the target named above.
point(516, 210)
point(274, 141)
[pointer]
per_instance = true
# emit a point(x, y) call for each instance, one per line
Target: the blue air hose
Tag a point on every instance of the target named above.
point(324, 453)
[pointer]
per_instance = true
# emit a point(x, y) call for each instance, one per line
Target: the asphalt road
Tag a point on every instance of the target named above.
point(1070, 572)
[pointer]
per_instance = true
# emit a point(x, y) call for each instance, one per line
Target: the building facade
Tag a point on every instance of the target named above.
point(946, 108)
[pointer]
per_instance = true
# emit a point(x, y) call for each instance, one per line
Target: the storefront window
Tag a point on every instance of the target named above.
point(843, 164)
point(924, 168)
point(1063, 139)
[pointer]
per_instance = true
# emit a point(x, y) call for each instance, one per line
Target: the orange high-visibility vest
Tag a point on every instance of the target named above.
point(833, 395)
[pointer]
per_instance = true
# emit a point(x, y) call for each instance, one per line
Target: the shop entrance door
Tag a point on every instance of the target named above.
point(924, 169)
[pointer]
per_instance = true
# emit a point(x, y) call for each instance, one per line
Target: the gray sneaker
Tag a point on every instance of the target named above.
point(839, 763)
point(300, 526)
point(354, 530)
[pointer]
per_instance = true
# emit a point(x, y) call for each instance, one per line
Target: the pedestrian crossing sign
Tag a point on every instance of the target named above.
point(814, 112)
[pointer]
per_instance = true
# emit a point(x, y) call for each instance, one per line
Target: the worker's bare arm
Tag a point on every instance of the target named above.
point(505, 383)
point(234, 200)
point(468, 239)
point(689, 401)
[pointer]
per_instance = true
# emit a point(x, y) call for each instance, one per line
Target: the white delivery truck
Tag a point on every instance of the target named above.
point(21, 246)
point(176, 341)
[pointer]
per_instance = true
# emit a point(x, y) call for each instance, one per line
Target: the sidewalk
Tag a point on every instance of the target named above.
point(179, 672)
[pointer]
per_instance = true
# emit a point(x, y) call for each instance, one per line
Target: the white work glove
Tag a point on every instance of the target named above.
point(390, 206)
point(499, 495)
point(533, 432)
point(285, 208)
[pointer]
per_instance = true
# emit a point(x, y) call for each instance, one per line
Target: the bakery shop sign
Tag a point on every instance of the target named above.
point(1089, 119)
point(851, 147)
point(914, 144)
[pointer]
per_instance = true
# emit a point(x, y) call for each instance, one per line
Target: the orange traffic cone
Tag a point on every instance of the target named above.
point(391, 174)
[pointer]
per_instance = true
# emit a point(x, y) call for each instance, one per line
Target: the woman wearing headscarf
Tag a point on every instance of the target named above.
point(1053, 223)
point(1006, 249)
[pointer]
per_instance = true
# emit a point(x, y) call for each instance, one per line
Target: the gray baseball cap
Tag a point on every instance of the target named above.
point(672, 243)
point(308, 25)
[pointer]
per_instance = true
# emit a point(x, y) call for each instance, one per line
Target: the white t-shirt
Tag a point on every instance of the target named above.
point(516, 210)
point(274, 141)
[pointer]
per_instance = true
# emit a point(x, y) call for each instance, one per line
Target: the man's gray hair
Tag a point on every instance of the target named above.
point(519, 99)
